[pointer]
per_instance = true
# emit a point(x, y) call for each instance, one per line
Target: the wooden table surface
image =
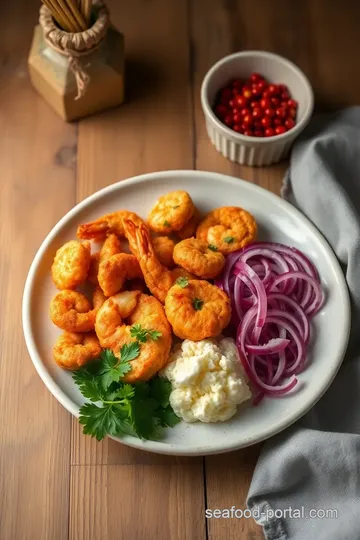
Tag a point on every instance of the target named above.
point(55, 483)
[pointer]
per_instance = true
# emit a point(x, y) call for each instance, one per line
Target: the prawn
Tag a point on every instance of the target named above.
point(228, 228)
point(164, 248)
point(113, 272)
point(72, 311)
point(73, 350)
point(71, 264)
point(111, 246)
point(113, 332)
point(198, 311)
point(157, 277)
point(189, 228)
point(171, 212)
point(197, 257)
point(105, 225)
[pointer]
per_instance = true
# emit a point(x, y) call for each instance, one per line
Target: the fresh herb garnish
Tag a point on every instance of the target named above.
point(198, 304)
point(212, 247)
point(182, 281)
point(229, 239)
point(166, 223)
point(141, 334)
point(140, 409)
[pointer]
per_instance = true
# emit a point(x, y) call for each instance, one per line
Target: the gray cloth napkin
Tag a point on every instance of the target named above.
point(314, 466)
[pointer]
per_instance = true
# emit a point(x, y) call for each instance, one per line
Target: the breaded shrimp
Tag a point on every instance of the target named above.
point(71, 264)
point(110, 247)
point(113, 325)
point(190, 228)
point(157, 278)
point(71, 350)
point(171, 212)
point(197, 311)
point(113, 272)
point(228, 228)
point(71, 310)
point(195, 256)
point(164, 248)
point(105, 225)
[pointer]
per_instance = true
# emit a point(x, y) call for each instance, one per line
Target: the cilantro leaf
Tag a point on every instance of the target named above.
point(98, 421)
point(154, 334)
point(197, 304)
point(212, 247)
point(113, 368)
point(141, 334)
point(229, 239)
point(129, 352)
point(166, 223)
point(167, 417)
point(143, 420)
point(160, 390)
point(88, 384)
point(126, 391)
point(182, 281)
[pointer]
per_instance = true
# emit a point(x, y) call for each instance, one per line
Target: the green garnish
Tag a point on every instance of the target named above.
point(182, 281)
point(198, 304)
point(229, 239)
point(140, 409)
point(212, 247)
point(141, 334)
point(166, 223)
point(176, 206)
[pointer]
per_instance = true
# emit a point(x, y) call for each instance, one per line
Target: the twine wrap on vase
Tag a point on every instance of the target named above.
point(77, 45)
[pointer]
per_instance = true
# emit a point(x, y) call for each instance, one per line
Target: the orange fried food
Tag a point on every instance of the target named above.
point(113, 327)
point(227, 228)
point(196, 257)
point(164, 248)
point(157, 277)
point(198, 310)
point(190, 228)
point(105, 225)
point(72, 311)
point(94, 269)
point(113, 272)
point(71, 264)
point(171, 212)
point(74, 350)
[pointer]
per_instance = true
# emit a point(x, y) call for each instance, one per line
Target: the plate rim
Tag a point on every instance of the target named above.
point(160, 447)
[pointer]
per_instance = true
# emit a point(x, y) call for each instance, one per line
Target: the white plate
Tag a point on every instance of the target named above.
point(278, 221)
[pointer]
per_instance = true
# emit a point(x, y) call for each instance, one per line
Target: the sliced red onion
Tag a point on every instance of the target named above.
point(271, 347)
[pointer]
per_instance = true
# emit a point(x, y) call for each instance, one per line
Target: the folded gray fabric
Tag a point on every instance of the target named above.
point(306, 484)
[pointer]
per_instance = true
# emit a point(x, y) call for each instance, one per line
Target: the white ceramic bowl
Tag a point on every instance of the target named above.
point(255, 151)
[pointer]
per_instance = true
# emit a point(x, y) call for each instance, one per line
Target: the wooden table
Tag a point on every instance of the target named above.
point(55, 483)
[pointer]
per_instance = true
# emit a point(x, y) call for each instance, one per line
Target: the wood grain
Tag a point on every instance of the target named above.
point(36, 151)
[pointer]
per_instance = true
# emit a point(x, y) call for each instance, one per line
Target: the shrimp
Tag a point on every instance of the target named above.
point(190, 228)
point(171, 212)
point(228, 228)
point(71, 310)
point(113, 272)
point(110, 247)
point(141, 309)
point(71, 350)
point(198, 311)
point(157, 278)
point(105, 225)
point(71, 264)
point(197, 257)
point(164, 248)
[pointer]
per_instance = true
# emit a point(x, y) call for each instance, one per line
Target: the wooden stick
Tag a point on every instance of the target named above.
point(87, 10)
point(64, 7)
point(59, 16)
point(77, 15)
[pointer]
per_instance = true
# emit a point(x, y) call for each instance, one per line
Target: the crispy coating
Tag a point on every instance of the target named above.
point(71, 264)
point(109, 224)
point(198, 311)
point(94, 269)
point(164, 248)
point(157, 277)
point(74, 350)
point(113, 324)
point(195, 256)
point(113, 272)
point(72, 311)
point(110, 247)
point(189, 228)
point(171, 212)
point(228, 228)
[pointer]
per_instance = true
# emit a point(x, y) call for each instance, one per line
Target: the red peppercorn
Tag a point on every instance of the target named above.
point(236, 110)
point(273, 89)
point(269, 132)
point(289, 123)
point(280, 129)
point(228, 120)
point(258, 133)
point(238, 128)
point(285, 95)
point(258, 124)
point(256, 93)
point(221, 110)
point(266, 122)
point(257, 112)
point(253, 104)
point(275, 101)
point(248, 132)
point(232, 103)
point(270, 112)
point(255, 77)
point(244, 112)
point(277, 121)
point(241, 101)
point(266, 94)
point(247, 120)
point(280, 112)
point(283, 88)
point(246, 92)
point(262, 85)
point(265, 103)
point(292, 103)
point(237, 118)
point(284, 105)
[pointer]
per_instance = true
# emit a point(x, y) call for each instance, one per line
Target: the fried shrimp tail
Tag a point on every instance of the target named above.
point(72, 351)
point(157, 277)
point(71, 264)
point(105, 225)
point(72, 311)
point(198, 311)
point(197, 257)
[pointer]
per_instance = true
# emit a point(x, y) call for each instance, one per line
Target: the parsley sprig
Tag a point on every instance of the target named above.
point(182, 281)
point(118, 408)
point(141, 334)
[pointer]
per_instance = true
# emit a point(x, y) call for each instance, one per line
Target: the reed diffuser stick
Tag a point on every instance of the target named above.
point(87, 4)
point(61, 4)
point(76, 13)
point(60, 17)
